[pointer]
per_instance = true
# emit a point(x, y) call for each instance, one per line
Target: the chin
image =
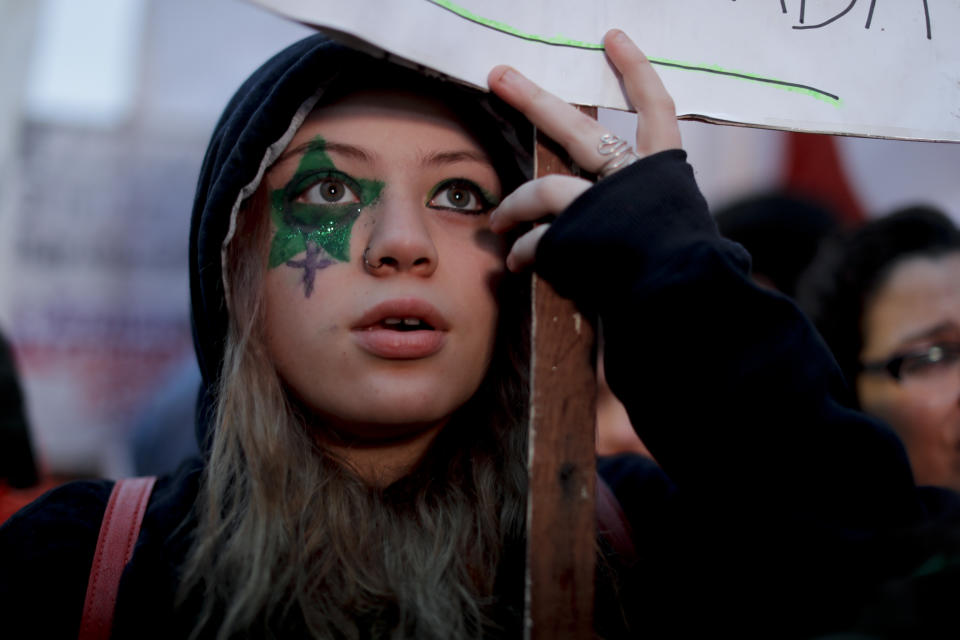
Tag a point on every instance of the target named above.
point(387, 416)
point(387, 402)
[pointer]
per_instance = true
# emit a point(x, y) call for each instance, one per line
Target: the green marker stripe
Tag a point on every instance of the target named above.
point(562, 41)
point(513, 31)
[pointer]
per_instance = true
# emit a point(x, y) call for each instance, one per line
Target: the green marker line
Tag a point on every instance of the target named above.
point(563, 41)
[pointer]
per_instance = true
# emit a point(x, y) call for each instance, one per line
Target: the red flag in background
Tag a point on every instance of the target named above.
point(814, 168)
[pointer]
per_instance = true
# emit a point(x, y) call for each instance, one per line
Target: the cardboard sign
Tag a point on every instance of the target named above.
point(880, 68)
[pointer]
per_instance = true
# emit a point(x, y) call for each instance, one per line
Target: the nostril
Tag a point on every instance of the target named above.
point(398, 262)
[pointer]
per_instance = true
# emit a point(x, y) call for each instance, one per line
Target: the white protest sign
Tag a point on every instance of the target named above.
point(887, 68)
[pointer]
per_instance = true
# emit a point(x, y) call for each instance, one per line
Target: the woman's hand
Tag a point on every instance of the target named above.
point(581, 136)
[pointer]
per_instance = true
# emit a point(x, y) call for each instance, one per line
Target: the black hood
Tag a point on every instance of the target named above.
point(256, 126)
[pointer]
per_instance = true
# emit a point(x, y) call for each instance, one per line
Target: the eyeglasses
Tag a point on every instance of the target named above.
point(932, 363)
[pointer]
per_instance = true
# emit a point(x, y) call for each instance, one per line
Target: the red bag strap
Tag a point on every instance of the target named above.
point(613, 525)
point(118, 536)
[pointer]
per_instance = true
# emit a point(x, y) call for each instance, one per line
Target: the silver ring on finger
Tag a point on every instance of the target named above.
point(618, 154)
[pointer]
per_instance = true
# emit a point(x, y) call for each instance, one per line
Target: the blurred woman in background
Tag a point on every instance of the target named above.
point(887, 300)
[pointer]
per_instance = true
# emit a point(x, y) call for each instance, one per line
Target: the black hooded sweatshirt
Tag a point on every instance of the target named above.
point(774, 511)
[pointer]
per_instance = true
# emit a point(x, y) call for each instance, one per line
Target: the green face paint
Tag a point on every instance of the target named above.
point(324, 226)
point(493, 200)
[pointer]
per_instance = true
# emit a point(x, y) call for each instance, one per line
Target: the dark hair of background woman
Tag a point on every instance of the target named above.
point(851, 268)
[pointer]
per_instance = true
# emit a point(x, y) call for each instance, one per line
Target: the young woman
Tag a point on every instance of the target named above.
point(360, 333)
point(886, 300)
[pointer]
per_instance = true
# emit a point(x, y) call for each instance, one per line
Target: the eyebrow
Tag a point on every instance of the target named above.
point(326, 146)
point(434, 159)
point(931, 332)
point(439, 158)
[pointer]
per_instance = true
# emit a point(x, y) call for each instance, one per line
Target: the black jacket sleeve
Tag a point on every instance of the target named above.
point(740, 402)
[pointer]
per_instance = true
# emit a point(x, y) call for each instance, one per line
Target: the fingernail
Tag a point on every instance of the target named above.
point(512, 78)
point(620, 36)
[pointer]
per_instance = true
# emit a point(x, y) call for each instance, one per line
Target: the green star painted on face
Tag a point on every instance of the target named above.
point(318, 208)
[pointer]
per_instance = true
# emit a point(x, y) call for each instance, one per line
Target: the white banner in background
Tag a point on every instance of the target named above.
point(886, 68)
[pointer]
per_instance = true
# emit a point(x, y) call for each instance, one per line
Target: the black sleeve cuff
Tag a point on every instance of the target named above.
point(626, 226)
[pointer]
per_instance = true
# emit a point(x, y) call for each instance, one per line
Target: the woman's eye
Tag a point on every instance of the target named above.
point(936, 358)
point(329, 191)
point(459, 196)
point(916, 365)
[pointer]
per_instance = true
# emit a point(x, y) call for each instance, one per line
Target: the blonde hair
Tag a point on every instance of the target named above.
point(290, 538)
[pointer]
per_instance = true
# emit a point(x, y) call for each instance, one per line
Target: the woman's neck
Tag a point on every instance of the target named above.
point(380, 463)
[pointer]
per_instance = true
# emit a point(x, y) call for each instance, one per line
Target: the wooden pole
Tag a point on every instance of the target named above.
point(561, 518)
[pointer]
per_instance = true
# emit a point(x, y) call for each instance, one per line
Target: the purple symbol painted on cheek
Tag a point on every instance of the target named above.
point(310, 265)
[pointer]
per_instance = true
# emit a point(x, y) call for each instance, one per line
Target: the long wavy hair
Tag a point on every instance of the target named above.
point(289, 539)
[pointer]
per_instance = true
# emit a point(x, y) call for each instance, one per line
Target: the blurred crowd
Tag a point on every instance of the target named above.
point(884, 293)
